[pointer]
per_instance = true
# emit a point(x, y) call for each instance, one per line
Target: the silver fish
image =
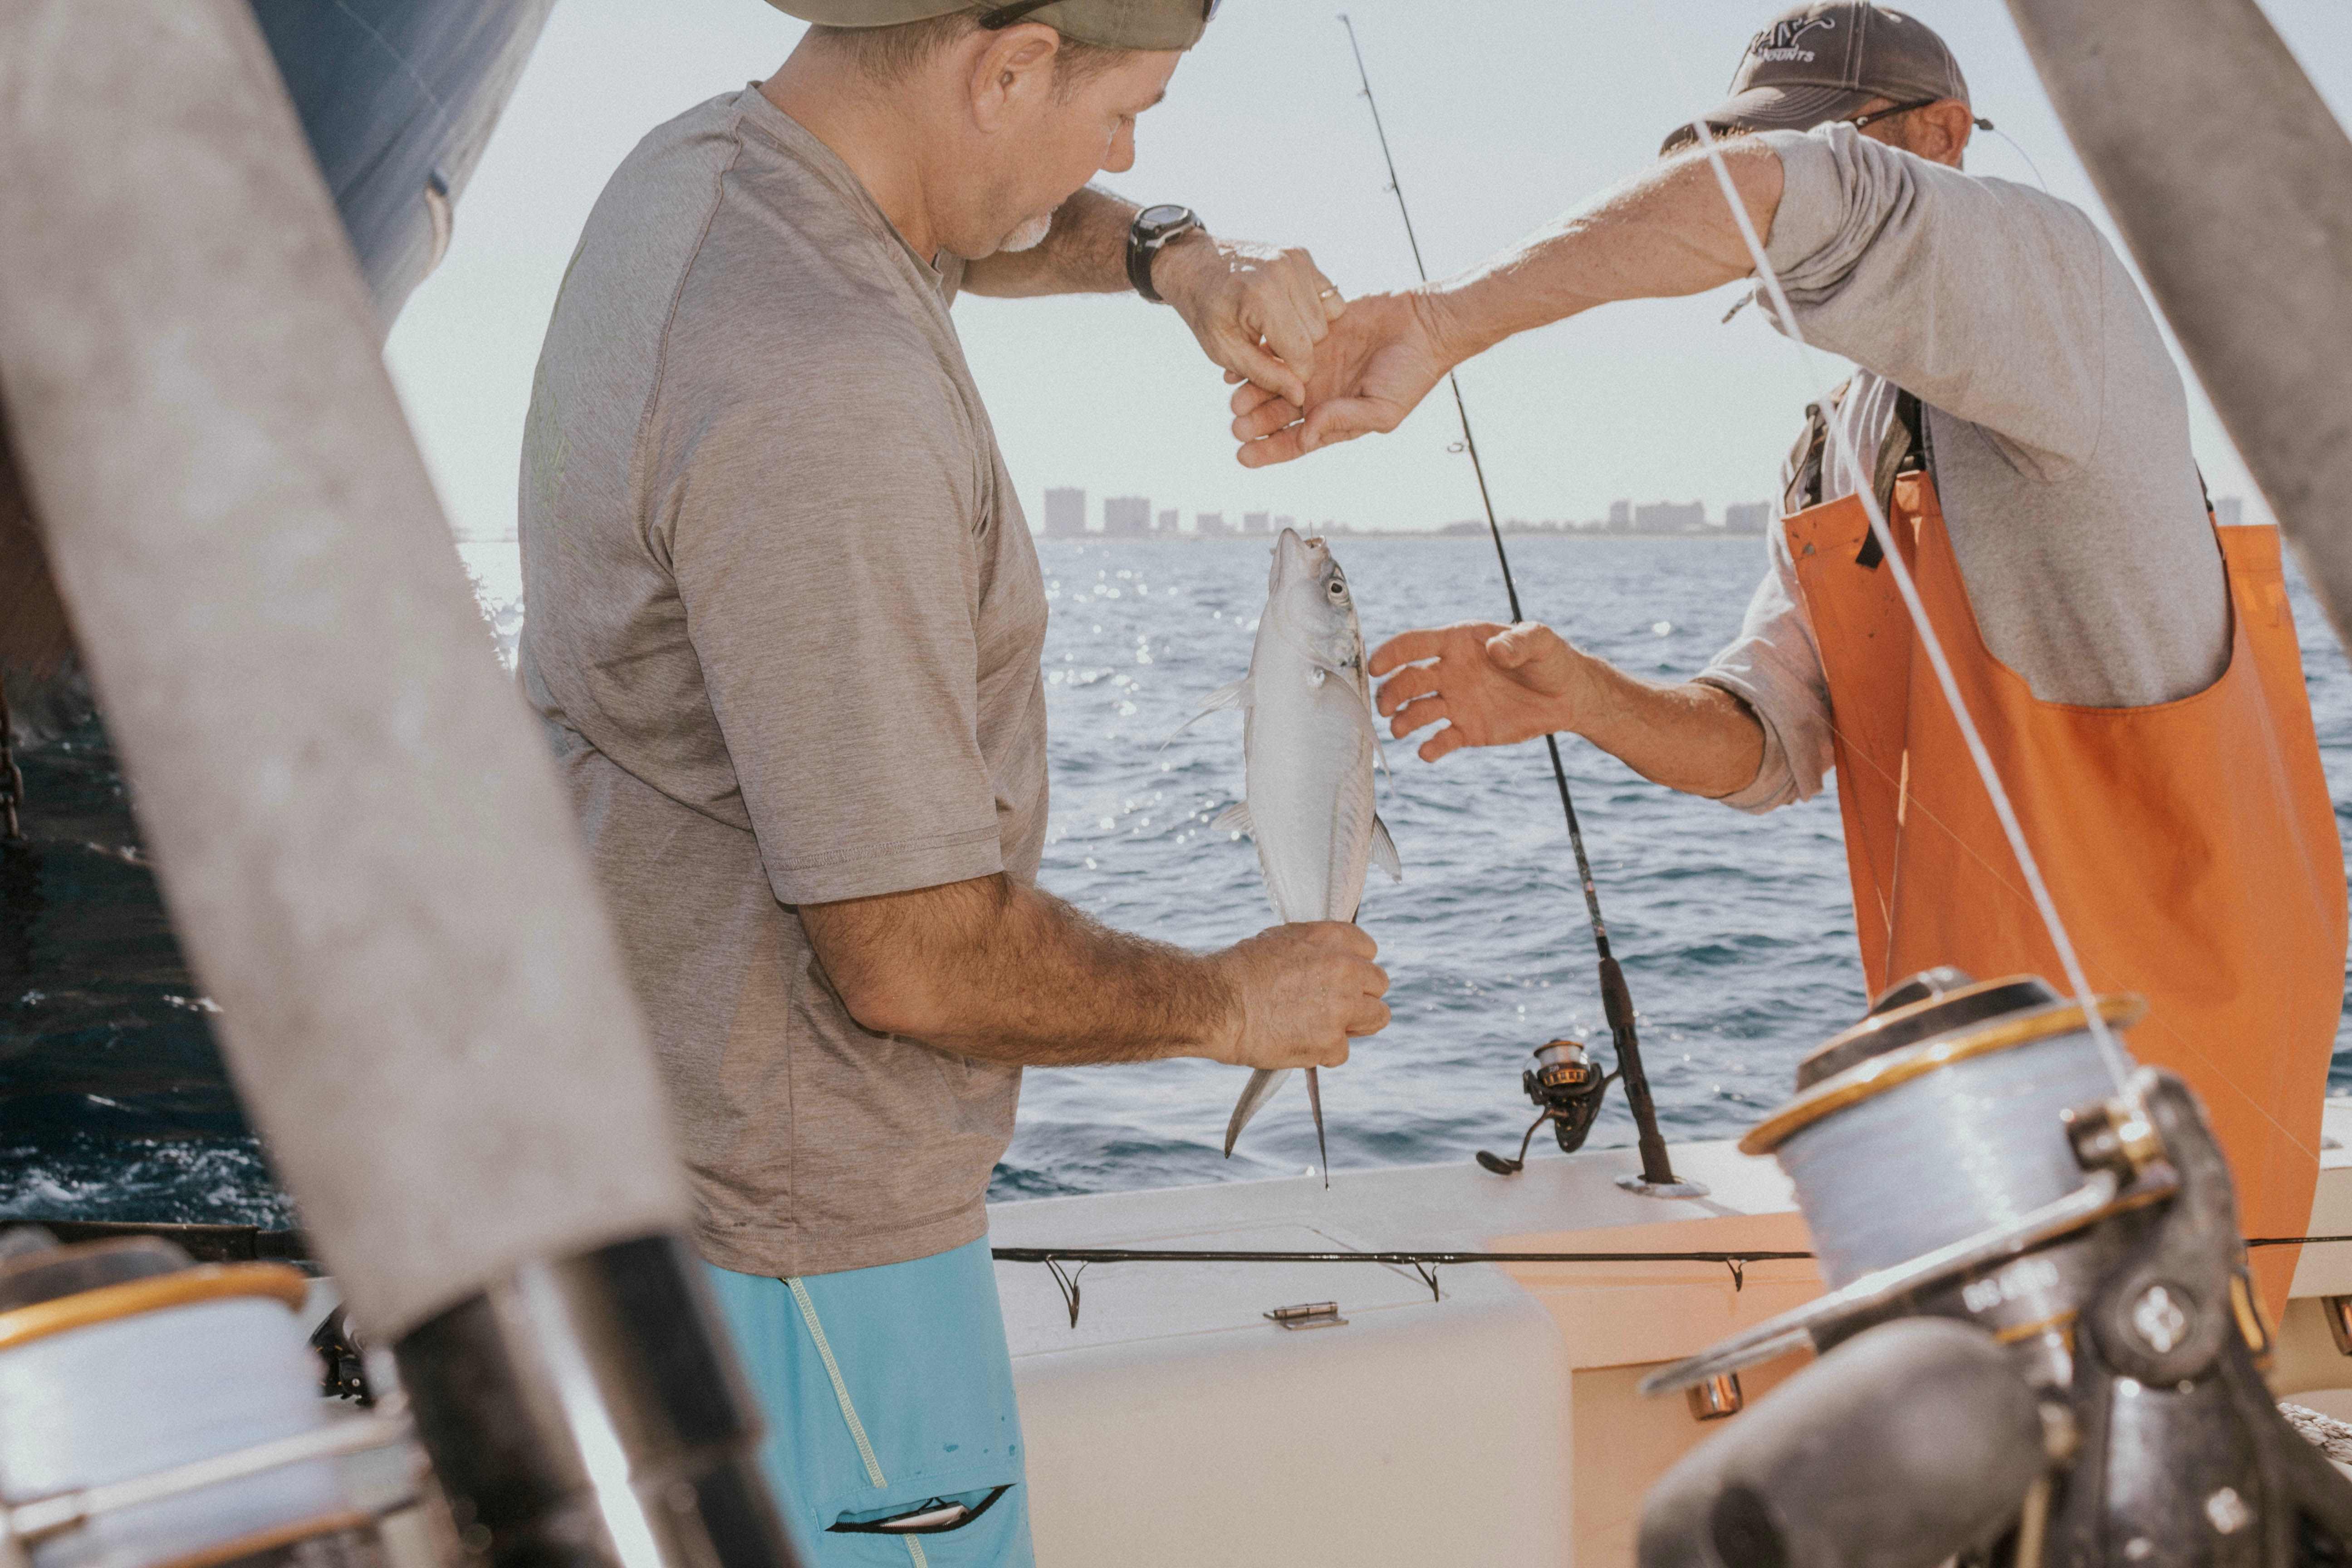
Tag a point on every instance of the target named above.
point(1308, 749)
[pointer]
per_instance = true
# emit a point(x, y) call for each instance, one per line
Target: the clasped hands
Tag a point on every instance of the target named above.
point(1313, 370)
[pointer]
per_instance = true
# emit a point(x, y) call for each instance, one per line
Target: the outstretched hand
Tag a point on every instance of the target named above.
point(1492, 685)
point(1380, 360)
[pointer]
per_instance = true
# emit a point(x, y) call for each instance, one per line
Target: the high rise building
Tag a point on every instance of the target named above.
point(1747, 516)
point(1208, 524)
point(1668, 517)
point(1168, 521)
point(1621, 516)
point(1255, 522)
point(2230, 511)
point(1066, 514)
point(1128, 517)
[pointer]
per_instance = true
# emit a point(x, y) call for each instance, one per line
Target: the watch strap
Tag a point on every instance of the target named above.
point(1139, 253)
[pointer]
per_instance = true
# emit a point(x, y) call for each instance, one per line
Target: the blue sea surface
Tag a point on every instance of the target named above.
point(1737, 933)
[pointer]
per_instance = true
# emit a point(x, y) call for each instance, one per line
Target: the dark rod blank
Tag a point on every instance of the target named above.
point(1616, 1000)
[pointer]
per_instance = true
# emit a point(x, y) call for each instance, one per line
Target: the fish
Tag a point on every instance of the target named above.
point(1309, 749)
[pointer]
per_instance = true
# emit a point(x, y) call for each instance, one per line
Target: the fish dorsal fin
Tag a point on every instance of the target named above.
point(1234, 819)
point(1232, 694)
point(1384, 851)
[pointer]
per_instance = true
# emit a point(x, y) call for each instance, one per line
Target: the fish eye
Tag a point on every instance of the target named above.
point(1338, 589)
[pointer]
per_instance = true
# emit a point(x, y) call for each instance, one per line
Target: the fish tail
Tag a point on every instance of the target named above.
point(1315, 1104)
point(1261, 1088)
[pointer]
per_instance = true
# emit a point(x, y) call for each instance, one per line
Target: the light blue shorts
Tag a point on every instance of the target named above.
point(886, 1389)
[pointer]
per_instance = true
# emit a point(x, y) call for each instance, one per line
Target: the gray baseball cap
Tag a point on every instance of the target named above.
point(1112, 24)
point(1822, 61)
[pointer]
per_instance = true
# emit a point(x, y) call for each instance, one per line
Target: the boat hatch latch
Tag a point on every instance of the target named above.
point(1308, 1315)
point(1717, 1397)
point(2339, 1321)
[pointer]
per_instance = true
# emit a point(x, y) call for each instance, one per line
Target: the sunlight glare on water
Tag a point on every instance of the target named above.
point(1736, 932)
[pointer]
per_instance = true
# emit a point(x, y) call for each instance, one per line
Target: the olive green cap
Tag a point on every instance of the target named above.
point(1111, 24)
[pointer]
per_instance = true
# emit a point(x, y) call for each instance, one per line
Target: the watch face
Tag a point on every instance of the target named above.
point(1166, 215)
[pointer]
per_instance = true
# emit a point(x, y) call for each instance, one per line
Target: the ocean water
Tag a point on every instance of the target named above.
point(1736, 932)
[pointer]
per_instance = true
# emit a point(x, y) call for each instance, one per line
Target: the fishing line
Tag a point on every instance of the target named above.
point(1974, 1147)
point(2118, 1065)
point(2021, 152)
point(1616, 998)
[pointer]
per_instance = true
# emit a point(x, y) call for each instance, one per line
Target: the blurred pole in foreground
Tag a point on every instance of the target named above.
point(2233, 183)
point(359, 834)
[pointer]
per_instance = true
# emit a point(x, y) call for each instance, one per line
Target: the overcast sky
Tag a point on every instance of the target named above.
point(1502, 113)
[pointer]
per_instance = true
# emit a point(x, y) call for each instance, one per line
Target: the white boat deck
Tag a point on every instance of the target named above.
point(1175, 1424)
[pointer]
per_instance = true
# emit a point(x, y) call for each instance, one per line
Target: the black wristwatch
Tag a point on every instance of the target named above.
point(1148, 235)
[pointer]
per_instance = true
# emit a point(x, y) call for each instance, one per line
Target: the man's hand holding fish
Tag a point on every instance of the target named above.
point(1277, 1022)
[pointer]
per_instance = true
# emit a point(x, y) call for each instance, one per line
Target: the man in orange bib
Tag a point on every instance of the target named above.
point(2133, 669)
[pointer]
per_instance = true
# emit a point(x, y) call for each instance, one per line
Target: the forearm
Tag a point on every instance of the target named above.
point(1692, 737)
point(1664, 233)
point(990, 968)
point(1084, 253)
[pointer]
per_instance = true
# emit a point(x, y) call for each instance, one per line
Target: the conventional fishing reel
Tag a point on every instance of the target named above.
point(2040, 1343)
point(1567, 1087)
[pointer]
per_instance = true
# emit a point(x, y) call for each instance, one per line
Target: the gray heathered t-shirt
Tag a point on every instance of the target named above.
point(784, 629)
point(2058, 421)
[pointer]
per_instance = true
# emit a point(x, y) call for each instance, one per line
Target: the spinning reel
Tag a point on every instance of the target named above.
point(2040, 1343)
point(1567, 1087)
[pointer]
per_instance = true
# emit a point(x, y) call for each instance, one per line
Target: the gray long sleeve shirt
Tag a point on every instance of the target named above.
point(2058, 422)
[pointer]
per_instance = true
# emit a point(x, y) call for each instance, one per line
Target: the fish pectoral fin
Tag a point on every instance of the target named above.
point(1235, 693)
point(1236, 818)
point(1384, 851)
point(1232, 694)
point(1372, 710)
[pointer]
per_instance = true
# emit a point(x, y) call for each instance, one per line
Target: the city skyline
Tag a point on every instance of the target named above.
point(1132, 517)
point(1110, 392)
point(1066, 514)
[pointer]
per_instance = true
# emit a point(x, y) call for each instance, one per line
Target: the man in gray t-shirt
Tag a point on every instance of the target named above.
point(785, 630)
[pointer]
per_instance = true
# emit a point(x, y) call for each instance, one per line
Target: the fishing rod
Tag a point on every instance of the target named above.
point(1066, 1263)
point(1658, 1178)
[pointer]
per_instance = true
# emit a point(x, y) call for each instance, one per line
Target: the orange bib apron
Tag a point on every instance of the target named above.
point(2190, 846)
